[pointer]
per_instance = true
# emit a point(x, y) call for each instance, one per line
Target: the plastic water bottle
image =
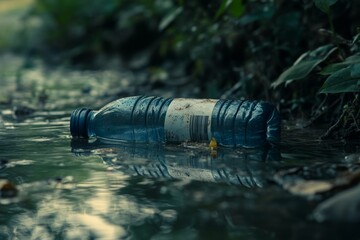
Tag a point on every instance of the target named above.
point(149, 119)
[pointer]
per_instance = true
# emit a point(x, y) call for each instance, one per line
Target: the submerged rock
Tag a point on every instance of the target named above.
point(343, 207)
point(7, 189)
point(22, 111)
point(11, 193)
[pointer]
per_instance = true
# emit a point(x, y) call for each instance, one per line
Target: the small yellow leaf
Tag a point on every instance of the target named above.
point(213, 144)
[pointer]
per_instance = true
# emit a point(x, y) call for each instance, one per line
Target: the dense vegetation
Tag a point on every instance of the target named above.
point(301, 54)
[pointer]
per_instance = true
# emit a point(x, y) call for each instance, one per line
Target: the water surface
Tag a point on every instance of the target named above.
point(71, 189)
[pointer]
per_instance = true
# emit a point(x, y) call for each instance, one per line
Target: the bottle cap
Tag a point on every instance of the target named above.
point(78, 122)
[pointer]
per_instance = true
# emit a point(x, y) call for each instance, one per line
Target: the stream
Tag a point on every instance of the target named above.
point(63, 188)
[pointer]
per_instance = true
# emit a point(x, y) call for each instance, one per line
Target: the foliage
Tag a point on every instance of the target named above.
point(234, 7)
point(222, 48)
point(339, 63)
point(10, 12)
point(343, 76)
point(305, 64)
point(217, 44)
point(343, 80)
point(324, 5)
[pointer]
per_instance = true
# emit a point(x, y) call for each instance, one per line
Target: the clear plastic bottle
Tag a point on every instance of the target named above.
point(233, 123)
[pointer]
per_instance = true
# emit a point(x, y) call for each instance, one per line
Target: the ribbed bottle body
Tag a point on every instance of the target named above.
point(137, 119)
point(244, 123)
point(233, 123)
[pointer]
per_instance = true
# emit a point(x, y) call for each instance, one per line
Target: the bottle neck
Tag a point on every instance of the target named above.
point(90, 123)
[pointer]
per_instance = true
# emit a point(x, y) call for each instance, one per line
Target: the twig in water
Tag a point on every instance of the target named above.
point(333, 127)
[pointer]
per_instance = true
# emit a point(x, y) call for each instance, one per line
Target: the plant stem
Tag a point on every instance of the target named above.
point(331, 24)
point(332, 28)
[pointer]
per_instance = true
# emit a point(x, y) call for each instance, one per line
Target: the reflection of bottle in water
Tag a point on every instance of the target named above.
point(232, 123)
point(246, 168)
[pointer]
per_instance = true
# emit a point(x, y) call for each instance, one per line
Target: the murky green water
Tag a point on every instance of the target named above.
point(90, 190)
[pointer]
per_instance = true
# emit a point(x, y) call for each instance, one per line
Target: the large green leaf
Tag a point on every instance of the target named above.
point(324, 5)
point(342, 81)
point(233, 7)
point(304, 65)
point(355, 70)
point(330, 69)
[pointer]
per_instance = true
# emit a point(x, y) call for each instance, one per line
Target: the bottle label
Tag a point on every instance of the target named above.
point(189, 120)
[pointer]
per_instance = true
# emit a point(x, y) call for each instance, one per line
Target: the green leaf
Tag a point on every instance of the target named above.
point(234, 7)
point(330, 69)
point(304, 65)
point(341, 81)
point(355, 71)
point(324, 5)
point(168, 19)
point(223, 6)
point(297, 72)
